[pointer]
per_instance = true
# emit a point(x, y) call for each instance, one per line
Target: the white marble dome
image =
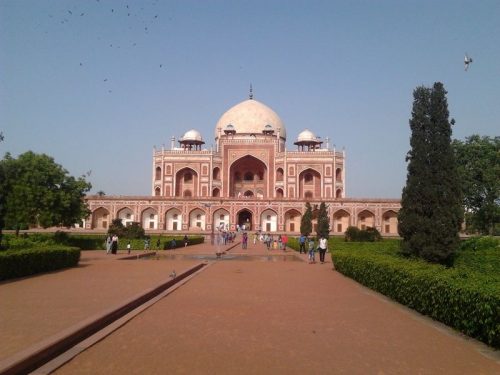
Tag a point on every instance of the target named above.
point(250, 117)
point(306, 136)
point(192, 135)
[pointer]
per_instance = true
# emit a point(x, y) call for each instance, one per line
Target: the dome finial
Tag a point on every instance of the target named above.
point(251, 93)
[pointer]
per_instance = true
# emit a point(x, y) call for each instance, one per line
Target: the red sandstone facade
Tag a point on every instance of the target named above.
point(250, 180)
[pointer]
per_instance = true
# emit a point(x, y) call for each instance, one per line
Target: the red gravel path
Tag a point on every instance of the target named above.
point(256, 317)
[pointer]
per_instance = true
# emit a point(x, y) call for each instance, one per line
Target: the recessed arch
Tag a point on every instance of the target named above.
point(269, 220)
point(101, 218)
point(310, 184)
point(216, 192)
point(221, 219)
point(338, 193)
point(390, 222)
point(157, 173)
point(173, 219)
point(341, 219)
point(216, 173)
point(149, 218)
point(279, 174)
point(157, 191)
point(186, 179)
point(197, 219)
point(292, 221)
point(279, 193)
point(248, 173)
point(126, 215)
point(338, 174)
point(244, 219)
point(366, 219)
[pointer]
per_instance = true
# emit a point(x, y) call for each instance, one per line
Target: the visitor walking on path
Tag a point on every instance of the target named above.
point(302, 244)
point(244, 240)
point(114, 244)
point(128, 247)
point(323, 246)
point(284, 240)
point(311, 251)
point(186, 240)
point(108, 244)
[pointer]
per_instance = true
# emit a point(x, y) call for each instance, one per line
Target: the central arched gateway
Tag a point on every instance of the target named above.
point(245, 219)
point(248, 178)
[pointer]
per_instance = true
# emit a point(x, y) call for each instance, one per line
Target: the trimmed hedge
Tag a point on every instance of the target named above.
point(19, 263)
point(461, 298)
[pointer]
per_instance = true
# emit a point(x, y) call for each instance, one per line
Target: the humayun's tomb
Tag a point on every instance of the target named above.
point(249, 179)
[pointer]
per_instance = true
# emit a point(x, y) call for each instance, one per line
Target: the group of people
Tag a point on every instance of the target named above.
point(322, 247)
point(112, 244)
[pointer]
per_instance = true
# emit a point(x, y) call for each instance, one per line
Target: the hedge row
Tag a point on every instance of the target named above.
point(465, 300)
point(18, 263)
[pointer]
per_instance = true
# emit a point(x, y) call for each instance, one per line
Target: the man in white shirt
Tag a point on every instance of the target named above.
point(323, 246)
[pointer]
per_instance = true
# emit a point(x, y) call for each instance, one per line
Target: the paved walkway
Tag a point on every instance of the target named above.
point(236, 316)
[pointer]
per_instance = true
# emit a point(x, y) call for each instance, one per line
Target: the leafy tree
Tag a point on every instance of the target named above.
point(40, 192)
point(117, 227)
point(306, 221)
point(478, 160)
point(323, 228)
point(431, 212)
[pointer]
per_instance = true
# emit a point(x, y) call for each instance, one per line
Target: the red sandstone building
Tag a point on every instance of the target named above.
point(250, 180)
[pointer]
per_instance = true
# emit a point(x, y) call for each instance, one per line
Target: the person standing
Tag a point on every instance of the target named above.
point(323, 246)
point(109, 241)
point(114, 244)
point(186, 240)
point(302, 244)
point(284, 240)
point(128, 247)
point(311, 251)
point(244, 240)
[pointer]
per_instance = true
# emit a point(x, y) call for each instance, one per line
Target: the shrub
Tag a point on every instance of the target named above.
point(362, 235)
point(460, 297)
point(18, 263)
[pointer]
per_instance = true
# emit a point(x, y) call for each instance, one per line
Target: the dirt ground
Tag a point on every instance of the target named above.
point(245, 317)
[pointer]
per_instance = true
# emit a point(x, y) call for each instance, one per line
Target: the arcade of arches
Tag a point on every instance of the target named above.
point(202, 219)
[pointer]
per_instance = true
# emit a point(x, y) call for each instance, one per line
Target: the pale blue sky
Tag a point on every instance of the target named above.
point(97, 88)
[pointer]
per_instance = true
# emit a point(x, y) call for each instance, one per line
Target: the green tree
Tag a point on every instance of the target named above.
point(117, 227)
point(431, 211)
point(40, 192)
point(478, 160)
point(306, 221)
point(323, 228)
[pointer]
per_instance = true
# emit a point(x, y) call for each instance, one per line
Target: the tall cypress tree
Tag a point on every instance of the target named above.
point(306, 221)
point(431, 211)
point(323, 221)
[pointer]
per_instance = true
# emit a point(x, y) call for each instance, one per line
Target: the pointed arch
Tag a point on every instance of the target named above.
point(269, 220)
point(390, 222)
point(221, 219)
point(341, 221)
point(126, 215)
point(292, 221)
point(101, 219)
point(310, 184)
point(197, 219)
point(149, 218)
point(186, 179)
point(366, 219)
point(173, 219)
point(248, 173)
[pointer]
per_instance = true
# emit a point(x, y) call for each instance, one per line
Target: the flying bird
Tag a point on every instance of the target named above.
point(467, 61)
